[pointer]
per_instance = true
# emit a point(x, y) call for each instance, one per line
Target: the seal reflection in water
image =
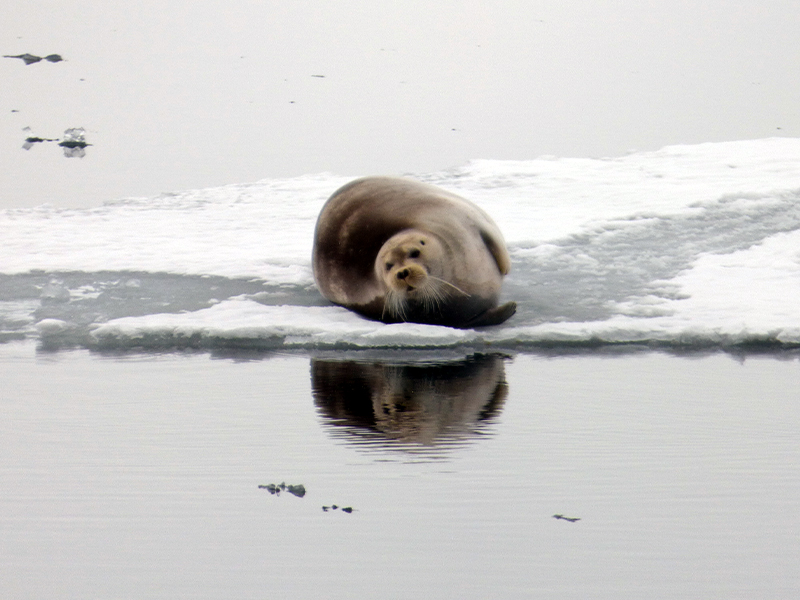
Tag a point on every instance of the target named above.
point(425, 404)
point(394, 250)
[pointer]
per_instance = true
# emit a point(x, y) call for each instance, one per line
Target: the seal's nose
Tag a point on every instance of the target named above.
point(402, 274)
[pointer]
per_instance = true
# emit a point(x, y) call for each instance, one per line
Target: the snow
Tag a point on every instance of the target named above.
point(688, 245)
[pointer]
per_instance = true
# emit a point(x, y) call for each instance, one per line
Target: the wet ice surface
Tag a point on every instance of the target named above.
point(687, 246)
point(137, 476)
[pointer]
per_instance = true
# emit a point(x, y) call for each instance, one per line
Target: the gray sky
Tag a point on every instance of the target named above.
point(177, 95)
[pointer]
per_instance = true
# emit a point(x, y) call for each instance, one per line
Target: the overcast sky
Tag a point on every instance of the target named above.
point(176, 95)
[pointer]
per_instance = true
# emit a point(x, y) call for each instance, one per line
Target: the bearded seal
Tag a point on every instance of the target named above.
point(392, 249)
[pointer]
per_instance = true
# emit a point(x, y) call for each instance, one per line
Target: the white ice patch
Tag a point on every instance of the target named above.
point(265, 229)
point(689, 244)
point(288, 326)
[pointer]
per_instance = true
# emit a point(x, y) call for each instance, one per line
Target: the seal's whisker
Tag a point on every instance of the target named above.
point(458, 289)
point(432, 297)
point(395, 304)
point(435, 301)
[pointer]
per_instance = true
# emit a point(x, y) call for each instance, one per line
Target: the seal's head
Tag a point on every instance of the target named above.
point(410, 266)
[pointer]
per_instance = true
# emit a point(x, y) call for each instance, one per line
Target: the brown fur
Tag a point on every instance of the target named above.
point(395, 250)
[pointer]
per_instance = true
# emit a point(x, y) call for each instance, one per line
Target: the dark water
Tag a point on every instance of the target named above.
point(137, 476)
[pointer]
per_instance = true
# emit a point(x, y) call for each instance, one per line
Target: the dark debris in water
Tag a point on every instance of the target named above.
point(30, 59)
point(298, 490)
point(73, 143)
point(347, 509)
point(570, 519)
point(35, 140)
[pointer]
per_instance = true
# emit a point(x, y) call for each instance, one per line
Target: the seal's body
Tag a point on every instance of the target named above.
point(394, 250)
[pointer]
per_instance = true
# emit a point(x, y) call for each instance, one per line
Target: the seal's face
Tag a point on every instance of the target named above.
point(405, 260)
point(408, 264)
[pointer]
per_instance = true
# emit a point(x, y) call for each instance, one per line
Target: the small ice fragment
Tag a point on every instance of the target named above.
point(55, 291)
point(51, 326)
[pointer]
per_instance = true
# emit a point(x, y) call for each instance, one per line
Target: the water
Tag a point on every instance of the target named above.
point(136, 475)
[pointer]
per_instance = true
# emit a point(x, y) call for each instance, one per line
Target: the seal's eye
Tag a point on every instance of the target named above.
point(414, 253)
point(389, 266)
point(422, 242)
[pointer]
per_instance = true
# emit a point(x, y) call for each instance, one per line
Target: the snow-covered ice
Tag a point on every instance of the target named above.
point(688, 245)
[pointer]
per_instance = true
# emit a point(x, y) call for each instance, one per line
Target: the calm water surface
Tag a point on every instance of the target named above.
point(138, 476)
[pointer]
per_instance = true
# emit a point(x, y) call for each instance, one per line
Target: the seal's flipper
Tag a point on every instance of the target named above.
point(493, 316)
point(498, 249)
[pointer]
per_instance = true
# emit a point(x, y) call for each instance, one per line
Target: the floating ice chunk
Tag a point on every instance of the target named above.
point(47, 327)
